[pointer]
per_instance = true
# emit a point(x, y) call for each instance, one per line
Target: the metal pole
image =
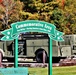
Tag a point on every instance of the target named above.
point(16, 53)
point(50, 57)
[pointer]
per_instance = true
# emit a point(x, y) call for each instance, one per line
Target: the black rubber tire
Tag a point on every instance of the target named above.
point(39, 56)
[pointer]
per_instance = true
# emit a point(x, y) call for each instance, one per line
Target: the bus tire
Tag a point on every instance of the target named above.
point(39, 56)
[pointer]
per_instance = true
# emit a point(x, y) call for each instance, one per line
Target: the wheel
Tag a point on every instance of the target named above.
point(39, 56)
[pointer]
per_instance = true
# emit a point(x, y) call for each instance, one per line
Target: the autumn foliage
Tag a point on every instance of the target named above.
point(61, 13)
point(1, 1)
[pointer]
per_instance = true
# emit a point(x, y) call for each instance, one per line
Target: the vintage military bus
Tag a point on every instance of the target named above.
point(33, 46)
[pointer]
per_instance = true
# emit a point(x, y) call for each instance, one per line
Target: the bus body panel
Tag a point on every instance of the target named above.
point(60, 49)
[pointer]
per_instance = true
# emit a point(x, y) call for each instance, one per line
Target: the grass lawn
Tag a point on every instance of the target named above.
point(70, 70)
point(38, 71)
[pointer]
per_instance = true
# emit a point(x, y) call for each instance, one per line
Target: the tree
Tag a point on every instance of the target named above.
point(48, 11)
point(9, 13)
point(70, 16)
point(7, 7)
point(59, 12)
